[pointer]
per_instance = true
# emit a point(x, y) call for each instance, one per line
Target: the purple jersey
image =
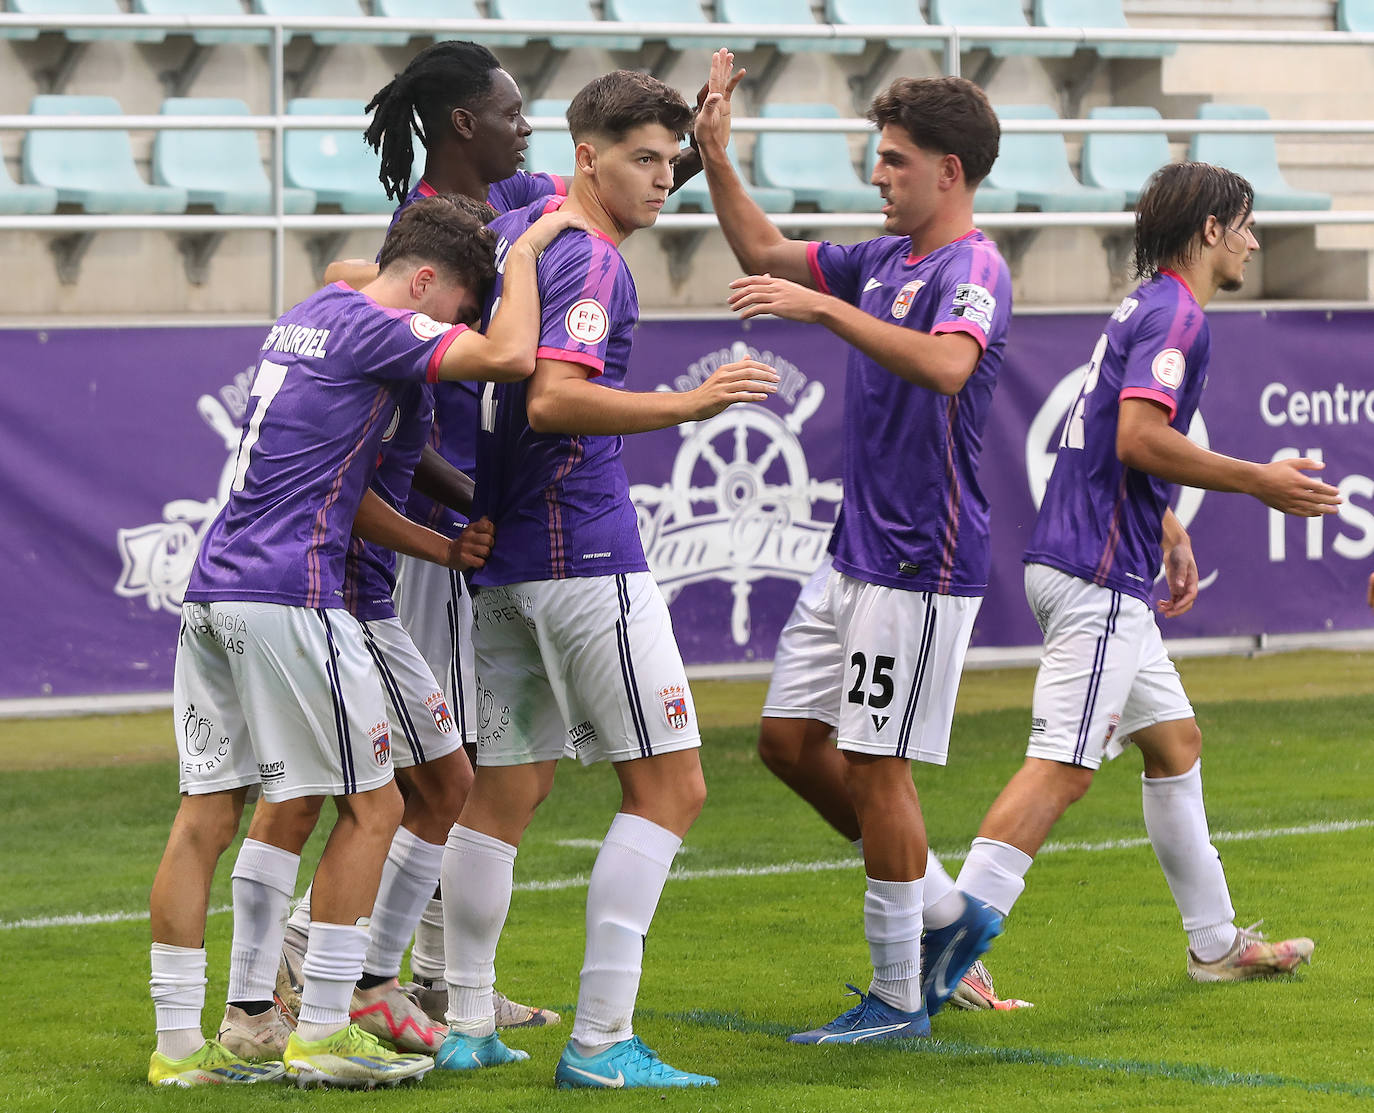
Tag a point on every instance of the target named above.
point(914, 516)
point(323, 397)
point(1100, 520)
point(561, 504)
point(515, 192)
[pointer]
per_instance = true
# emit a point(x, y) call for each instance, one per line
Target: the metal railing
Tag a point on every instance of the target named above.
point(954, 40)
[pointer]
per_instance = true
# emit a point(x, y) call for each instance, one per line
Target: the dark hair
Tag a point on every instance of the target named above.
point(617, 102)
point(440, 78)
point(950, 115)
point(1173, 209)
point(450, 233)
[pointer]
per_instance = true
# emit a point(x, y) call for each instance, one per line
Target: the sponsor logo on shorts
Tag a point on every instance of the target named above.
point(582, 735)
point(381, 742)
point(202, 739)
point(901, 304)
point(674, 699)
point(1038, 726)
point(1113, 722)
point(223, 629)
point(271, 770)
point(880, 721)
point(438, 707)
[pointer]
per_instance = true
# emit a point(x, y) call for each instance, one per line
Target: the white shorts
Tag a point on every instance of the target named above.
point(879, 664)
point(422, 726)
point(1104, 672)
point(285, 696)
point(435, 608)
point(585, 667)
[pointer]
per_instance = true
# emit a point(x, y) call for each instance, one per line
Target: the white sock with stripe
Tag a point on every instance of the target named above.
point(995, 873)
point(477, 877)
point(892, 926)
point(627, 881)
point(177, 986)
point(264, 878)
point(408, 879)
point(1176, 821)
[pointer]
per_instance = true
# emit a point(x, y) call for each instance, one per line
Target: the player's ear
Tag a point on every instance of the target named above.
point(462, 121)
point(585, 157)
point(1211, 231)
point(421, 281)
point(951, 171)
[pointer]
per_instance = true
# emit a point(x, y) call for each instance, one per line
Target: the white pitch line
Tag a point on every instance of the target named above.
point(780, 868)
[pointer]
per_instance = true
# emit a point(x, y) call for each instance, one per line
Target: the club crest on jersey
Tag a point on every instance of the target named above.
point(674, 699)
point(901, 304)
point(438, 707)
point(1168, 368)
point(427, 328)
point(381, 742)
point(586, 321)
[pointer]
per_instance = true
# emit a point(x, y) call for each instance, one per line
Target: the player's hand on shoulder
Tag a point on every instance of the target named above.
point(1180, 572)
point(548, 228)
point(762, 293)
point(747, 380)
point(1285, 485)
point(471, 548)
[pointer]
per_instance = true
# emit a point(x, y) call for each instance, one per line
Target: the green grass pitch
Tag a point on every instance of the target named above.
point(749, 944)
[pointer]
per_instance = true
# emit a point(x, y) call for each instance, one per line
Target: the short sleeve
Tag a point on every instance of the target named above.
point(1166, 349)
point(972, 297)
point(581, 300)
point(403, 345)
point(835, 268)
point(520, 189)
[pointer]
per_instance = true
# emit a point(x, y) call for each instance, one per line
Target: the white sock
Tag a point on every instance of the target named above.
point(178, 991)
point(333, 964)
point(427, 956)
point(477, 877)
point(627, 881)
point(892, 926)
point(1176, 821)
point(298, 923)
point(408, 880)
point(944, 903)
point(995, 873)
point(858, 845)
point(264, 878)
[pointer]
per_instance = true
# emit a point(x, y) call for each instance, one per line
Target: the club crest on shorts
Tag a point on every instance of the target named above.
point(381, 742)
point(674, 699)
point(1113, 721)
point(438, 707)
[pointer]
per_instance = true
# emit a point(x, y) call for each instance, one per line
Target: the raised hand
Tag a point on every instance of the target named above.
point(762, 293)
point(712, 123)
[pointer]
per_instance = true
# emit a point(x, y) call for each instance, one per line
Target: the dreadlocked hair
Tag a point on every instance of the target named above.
point(440, 78)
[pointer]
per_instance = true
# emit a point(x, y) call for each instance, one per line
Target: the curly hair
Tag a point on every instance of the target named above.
point(448, 232)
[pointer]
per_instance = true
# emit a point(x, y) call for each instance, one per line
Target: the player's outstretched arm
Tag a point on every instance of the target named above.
point(382, 525)
point(1180, 568)
point(561, 399)
point(941, 362)
point(439, 480)
point(351, 272)
point(505, 352)
point(756, 241)
point(1147, 442)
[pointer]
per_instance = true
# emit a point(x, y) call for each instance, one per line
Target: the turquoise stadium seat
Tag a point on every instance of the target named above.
point(94, 169)
point(1253, 156)
point(337, 165)
point(446, 9)
point(987, 199)
point(565, 10)
point(1355, 15)
point(205, 7)
point(219, 168)
point(549, 152)
point(1101, 14)
point(814, 165)
point(1123, 160)
point(24, 200)
point(334, 9)
point(84, 34)
point(892, 12)
point(993, 13)
point(697, 193)
point(782, 12)
point(1036, 166)
point(659, 11)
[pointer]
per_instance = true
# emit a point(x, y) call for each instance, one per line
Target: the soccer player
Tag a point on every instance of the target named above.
point(874, 648)
point(1105, 678)
point(274, 684)
point(573, 641)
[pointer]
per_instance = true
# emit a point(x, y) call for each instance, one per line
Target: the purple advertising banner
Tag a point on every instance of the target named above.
point(115, 445)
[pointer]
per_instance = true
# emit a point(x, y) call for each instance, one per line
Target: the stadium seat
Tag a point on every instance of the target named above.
point(894, 13)
point(1355, 15)
point(81, 34)
point(337, 165)
point(1102, 14)
point(993, 13)
point(25, 200)
point(205, 7)
point(94, 169)
point(697, 193)
point(1123, 160)
point(218, 168)
point(1252, 155)
point(782, 12)
point(659, 11)
point(1036, 166)
point(445, 9)
point(549, 152)
point(333, 9)
point(814, 165)
point(566, 11)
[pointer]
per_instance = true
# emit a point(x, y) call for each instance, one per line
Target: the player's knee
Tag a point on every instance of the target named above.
point(778, 748)
point(1073, 782)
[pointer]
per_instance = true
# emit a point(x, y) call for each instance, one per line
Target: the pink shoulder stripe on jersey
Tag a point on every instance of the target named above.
point(585, 358)
point(1153, 396)
point(813, 260)
point(424, 189)
point(912, 259)
point(965, 327)
point(436, 357)
point(1167, 273)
